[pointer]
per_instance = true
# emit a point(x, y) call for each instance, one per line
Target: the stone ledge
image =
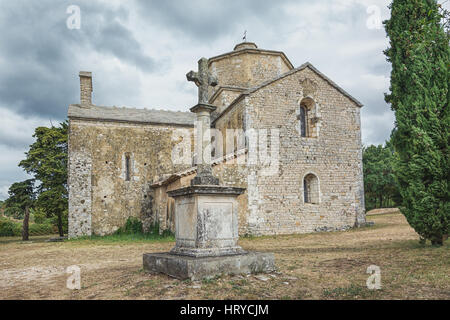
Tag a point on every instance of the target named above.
point(183, 267)
point(206, 189)
point(207, 252)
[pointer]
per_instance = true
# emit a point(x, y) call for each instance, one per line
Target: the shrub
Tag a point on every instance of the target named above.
point(41, 229)
point(132, 226)
point(7, 228)
point(154, 229)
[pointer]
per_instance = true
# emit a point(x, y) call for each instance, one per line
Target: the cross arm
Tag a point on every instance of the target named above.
point(193, 76)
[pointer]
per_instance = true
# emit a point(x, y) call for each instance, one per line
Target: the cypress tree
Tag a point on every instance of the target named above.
point(419, 96)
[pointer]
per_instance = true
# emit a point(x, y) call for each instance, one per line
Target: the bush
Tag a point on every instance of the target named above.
point(154, 229)
point(41, 229)
point(132, 226)
point(7, 228)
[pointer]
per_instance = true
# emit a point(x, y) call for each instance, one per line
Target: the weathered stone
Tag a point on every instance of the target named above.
point(258, 90)
point(100, 198)
point(86, 88)
point(184, 267)
point(206, 221)
point(203, 161)
point(203, 79)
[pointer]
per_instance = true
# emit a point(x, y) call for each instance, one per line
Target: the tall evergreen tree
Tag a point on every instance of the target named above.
point(419, 53)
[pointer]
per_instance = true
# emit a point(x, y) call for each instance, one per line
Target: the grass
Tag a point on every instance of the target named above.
point(328, 265)
point(350, 292)
point(124, 238)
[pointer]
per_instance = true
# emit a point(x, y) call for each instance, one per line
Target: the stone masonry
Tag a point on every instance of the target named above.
point(301, 184)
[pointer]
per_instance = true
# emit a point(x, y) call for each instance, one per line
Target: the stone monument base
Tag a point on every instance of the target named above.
point(185, 267)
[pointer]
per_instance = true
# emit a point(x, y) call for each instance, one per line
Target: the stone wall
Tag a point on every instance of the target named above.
point(328, 161)
point(248, 68)
point(230, 141)
point(100, 197)
point(332, 154)
point(223, 98)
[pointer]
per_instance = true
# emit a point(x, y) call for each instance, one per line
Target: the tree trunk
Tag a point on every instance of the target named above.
point(60, 225)
point(26, 219)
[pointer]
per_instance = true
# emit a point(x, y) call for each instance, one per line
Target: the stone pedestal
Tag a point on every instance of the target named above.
point(206, 223)
point(184, 267)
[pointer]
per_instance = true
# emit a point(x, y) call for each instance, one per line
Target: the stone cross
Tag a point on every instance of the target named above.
point(203, 79)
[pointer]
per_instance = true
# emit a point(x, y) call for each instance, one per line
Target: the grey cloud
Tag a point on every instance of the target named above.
point(40, 57)
point(202, 20)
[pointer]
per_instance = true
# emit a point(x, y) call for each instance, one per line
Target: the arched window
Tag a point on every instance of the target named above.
point(311, 189)
point(308, 118)
point(303, 120)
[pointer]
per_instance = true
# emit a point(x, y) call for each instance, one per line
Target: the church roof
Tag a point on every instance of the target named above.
point(304, 66)
point(284, 75)
point(123, 114)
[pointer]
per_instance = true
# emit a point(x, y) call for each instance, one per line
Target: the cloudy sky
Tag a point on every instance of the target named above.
point(140, 50)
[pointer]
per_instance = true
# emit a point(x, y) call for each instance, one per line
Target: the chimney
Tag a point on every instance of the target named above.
point(86, 88)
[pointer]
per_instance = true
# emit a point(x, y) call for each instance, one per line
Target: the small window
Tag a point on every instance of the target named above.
point(127, 167)
point(303, 121)
point(311, 189)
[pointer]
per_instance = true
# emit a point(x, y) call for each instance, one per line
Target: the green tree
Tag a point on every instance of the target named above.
point(419, 53)
point(47, 161)
point(22, 197)
point(379, 183)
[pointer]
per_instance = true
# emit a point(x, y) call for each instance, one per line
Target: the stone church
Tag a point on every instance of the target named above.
point(290, 136)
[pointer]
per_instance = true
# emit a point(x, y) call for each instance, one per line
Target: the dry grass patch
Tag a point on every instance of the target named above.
point(311, 266)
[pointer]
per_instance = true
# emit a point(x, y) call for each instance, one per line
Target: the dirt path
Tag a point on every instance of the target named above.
point(312, 266)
